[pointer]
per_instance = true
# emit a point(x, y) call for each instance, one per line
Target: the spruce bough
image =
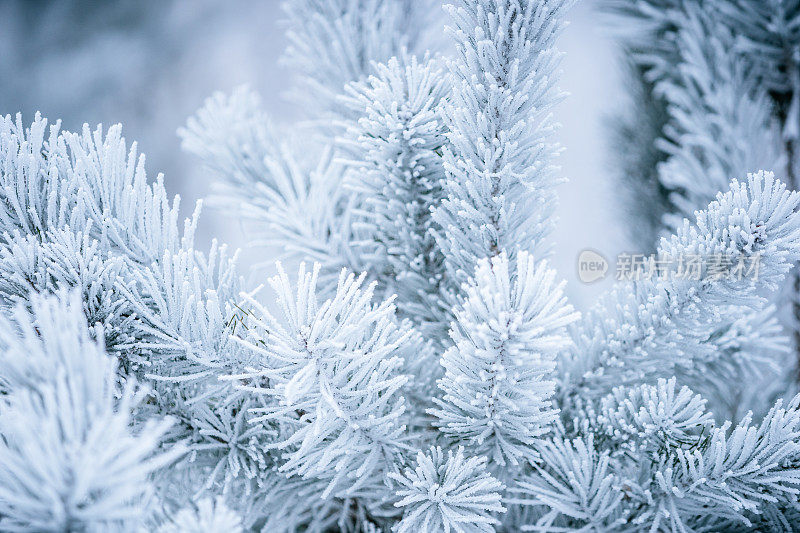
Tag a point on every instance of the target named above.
point(424, 370)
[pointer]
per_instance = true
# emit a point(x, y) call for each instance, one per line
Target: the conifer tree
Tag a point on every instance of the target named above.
point(425, 372)
point(725, 72)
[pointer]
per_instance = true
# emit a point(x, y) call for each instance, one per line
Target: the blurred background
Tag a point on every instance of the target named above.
point(149, 64)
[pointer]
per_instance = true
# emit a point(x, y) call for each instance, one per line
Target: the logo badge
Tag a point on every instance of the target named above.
point(591, 266)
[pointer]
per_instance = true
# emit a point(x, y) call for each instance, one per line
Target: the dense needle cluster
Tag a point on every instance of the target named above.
point(423, 371)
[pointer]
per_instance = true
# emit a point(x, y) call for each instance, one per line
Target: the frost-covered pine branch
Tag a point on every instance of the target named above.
point(93, 222)
point(500, 163)
point(498, 375)
point(720, 122)
point(427, 212)
point(630, 455)
point(444, 493)
point(735, 473)
point(335, 42)
point(298, 206)
point(647, 419)
point(663, 326)
point(674, 471)
point(207, 515)
point(294, 204)
point(499, 199)
point(727, 72)
point(719, 118)
point(301, 209)
point(395, 150)
point(332, 378)
point(769, 36)
point(574, 488)
point(70, 457)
